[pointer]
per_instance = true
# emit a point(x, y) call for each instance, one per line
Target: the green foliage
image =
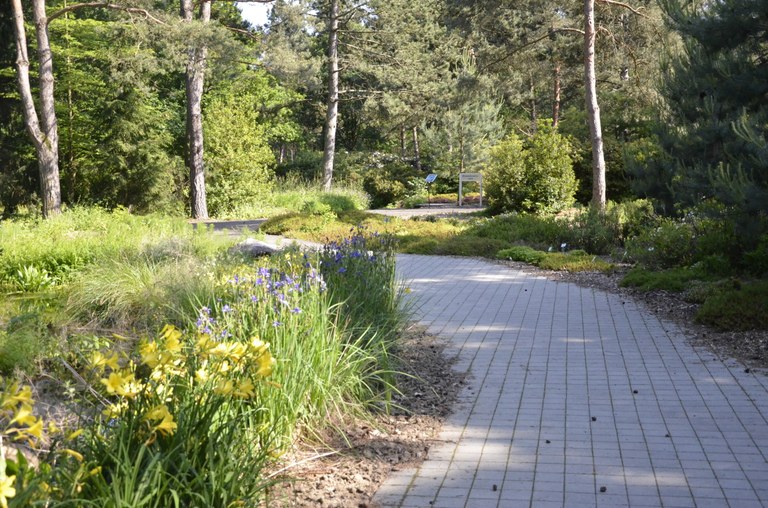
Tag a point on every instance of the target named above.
point(602, 231)
point(523, 254)
point(684, 242)
point(534, 175)
point(242, 119)
point(537, 231)
point(290, 195)
point(38, 253)
point(756, 261)
point(742, 307)
point(712, 133)
point(461, 245)
point(23, 342)
point(674, 279)
point(387, 180)
point(139, 292)
point(574, 261)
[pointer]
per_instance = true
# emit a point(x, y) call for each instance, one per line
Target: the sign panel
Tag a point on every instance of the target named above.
point(431, 177)
point(471, 177)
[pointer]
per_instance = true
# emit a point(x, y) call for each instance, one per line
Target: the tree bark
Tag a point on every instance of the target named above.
point(416, 151)
point(43, 130)
point(332, 112)
point(195, 79)
point(534, 114)
point(556, 98)
point(593, 109)
point(402, 141)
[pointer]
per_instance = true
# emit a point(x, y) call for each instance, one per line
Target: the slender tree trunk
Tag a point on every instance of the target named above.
point(534, 114)
point(593, 109)
point(402, 141)
point(43, 130)
point(416, 151)
point(195, 79)
point(556, 98)
point(332, 113)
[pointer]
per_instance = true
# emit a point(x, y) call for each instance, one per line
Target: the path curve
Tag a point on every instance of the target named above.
point(577, 398)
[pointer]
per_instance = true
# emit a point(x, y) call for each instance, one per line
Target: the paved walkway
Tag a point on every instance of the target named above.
point(578, 398)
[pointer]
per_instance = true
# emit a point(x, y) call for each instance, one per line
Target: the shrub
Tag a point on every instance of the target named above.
point(387, 183)
point(574, 261)
point(24, 341)
point(523, 254)
point(239, 167)
point(538, 231)
point(462, 245)
point(535, 175)
point(665, 246)
point(675, 279)
point(756, 260)
point(741, 307)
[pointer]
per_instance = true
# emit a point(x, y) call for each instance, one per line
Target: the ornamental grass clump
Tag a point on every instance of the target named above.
point(323, 327)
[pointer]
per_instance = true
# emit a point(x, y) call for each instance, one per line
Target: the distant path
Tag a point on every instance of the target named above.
point(577, 398)
point(439, 210)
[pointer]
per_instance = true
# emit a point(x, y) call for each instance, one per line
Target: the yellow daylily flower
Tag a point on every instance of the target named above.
point(35, 430)
point(167, 426)
point(24, 416)
point(14, 395)
point(224, 387)
point(7, 489)
point(98, 359)
point(149, 354)
point(204, 343)
point(114, 382)
point(202, 375)
point(266, 364)
point(258, 345)
point(74, 435)
point(123, 385)
point(72, 453)
point(245, 389)
point(171, 335)
point(160, 413)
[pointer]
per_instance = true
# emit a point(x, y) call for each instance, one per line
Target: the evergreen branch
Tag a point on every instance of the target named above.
point(241, 31)
point(531, 43)
point(626, 6)
point(105, 5)
point(352, 9)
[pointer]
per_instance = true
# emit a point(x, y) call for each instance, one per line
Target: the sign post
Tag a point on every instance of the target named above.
point(470, 177)
point(430, 178)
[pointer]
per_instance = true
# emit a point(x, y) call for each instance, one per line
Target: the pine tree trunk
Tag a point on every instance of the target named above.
point(593, 109)
point(534, 114)
point(42, 130)
point(195, 79)
point(416, 151)
point(556, 98)
point(402, 141)
point(332, 113)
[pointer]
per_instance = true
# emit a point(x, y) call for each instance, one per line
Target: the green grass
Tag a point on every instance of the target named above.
point(37, 253)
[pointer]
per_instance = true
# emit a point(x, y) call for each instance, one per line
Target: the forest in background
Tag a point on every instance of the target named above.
point(422, 88)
